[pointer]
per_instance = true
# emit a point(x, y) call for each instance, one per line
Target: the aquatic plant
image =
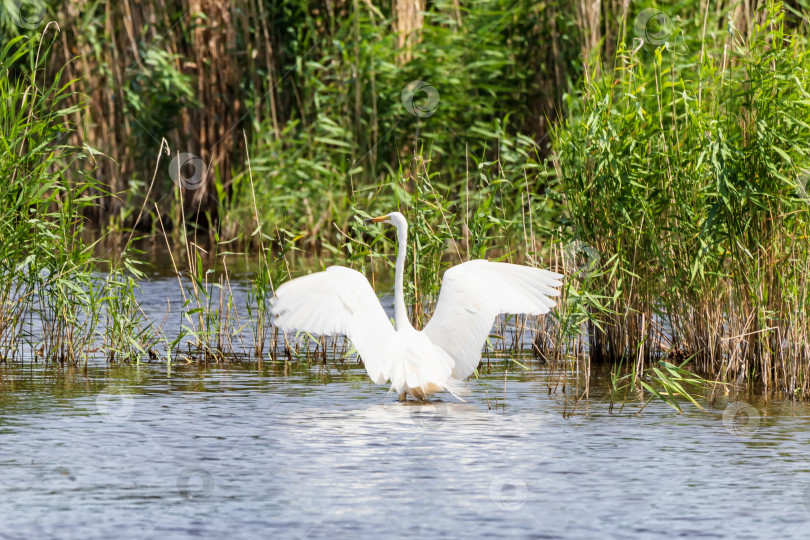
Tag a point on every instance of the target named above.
point(680, 167)
point(46, 265)
point(54, 301)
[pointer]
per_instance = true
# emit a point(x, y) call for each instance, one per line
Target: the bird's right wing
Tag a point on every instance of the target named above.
point(473, 294)
point(337, 301)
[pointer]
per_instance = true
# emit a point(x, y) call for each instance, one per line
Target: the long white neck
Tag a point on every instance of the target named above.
point(400, 311)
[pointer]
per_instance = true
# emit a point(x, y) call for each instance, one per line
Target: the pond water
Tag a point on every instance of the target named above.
point(253, 451)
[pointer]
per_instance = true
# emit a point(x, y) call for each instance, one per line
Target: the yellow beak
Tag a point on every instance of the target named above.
point(376, 219)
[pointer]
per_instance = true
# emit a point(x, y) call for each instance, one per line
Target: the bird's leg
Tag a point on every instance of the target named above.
point(403, 396)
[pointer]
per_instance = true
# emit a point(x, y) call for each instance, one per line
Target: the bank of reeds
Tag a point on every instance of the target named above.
point(40, 200)
point(316, 84)
point(58, 300)
point(683, 167)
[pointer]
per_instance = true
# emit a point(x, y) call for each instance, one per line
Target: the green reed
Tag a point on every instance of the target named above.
point(45, 264)
point(53, 296)
point(682, 166)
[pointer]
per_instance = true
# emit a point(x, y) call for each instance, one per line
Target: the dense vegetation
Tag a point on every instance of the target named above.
point(685, 169)
point(658, 155)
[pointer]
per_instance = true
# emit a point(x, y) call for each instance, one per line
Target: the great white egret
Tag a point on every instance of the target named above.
point(340, 300)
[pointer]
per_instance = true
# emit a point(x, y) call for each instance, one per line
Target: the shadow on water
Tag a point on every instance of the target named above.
point(312, 451)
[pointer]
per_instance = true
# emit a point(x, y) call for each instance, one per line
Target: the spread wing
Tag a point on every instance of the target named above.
point(337, 301)
point(473, 294)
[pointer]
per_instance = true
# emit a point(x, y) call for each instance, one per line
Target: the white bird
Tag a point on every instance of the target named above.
point(340, 300)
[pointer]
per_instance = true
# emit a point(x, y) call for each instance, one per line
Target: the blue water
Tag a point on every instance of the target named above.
point(249, 451)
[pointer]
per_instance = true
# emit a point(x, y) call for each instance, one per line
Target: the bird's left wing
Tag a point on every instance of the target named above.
point(337, 301)
point(473, 294)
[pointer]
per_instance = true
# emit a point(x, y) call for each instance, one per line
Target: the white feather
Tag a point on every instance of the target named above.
point(341, 301)
point(338, 301)
point(473, 294)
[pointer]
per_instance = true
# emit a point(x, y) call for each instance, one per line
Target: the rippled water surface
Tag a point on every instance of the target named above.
point(258, 451)
point(249, 451)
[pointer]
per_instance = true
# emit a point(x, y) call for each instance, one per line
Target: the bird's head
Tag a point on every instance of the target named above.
point(394, 218)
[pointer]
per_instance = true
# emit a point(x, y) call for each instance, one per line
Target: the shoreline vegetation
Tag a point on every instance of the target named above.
point(657, 156)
